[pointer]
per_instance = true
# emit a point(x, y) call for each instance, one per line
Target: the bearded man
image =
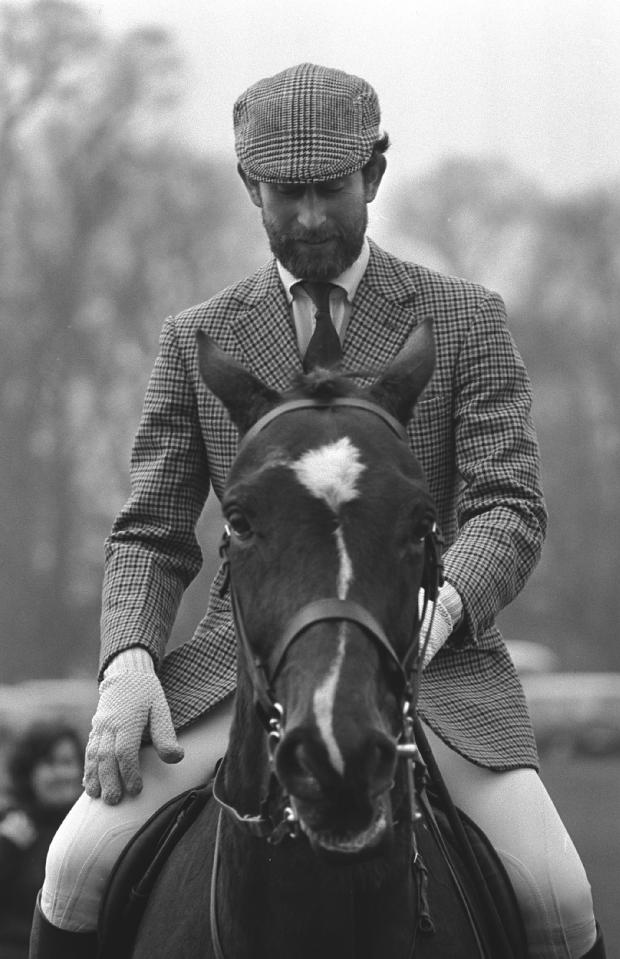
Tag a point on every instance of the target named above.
point(312, 157)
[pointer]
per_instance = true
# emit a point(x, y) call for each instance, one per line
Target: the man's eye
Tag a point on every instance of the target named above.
point(332, 186)
point(289, 189)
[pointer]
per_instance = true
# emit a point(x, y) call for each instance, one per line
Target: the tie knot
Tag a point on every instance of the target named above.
point(324, 348)
point(319, 292)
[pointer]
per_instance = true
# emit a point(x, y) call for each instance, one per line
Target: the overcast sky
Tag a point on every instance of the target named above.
point(535, 80)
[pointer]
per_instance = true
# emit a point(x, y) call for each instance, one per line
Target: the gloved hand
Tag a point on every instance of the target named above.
point(447, 613)
point(130, 700)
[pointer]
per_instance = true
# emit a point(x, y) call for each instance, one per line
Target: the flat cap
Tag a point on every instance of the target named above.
point(305, 125)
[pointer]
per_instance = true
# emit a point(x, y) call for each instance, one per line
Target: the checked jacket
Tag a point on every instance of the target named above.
point(471, 431)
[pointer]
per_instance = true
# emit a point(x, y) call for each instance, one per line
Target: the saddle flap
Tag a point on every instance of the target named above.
point(138, 867)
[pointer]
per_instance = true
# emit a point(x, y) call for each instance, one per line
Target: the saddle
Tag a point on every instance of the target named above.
point(137, 868)
point(478, 873)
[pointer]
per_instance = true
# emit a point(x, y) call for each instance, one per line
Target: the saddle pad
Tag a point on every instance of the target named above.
point(142, 859)
point(137, 868)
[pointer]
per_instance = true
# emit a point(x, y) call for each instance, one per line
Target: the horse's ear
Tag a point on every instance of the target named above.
point(400, 385)
point(245, 397)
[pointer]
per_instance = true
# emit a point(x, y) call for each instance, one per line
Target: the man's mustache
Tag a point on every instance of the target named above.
point(316, 236)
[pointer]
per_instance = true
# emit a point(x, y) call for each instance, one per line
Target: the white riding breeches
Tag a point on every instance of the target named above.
point(516, 813)
point(93, 834)
point(512, 808)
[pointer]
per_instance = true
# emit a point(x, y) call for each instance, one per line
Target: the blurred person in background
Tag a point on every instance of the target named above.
point(312, 157)
point(44, 767)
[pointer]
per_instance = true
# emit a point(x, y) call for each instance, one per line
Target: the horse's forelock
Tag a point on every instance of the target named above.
point(324, 384)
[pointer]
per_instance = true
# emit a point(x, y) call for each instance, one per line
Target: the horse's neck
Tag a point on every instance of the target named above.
point(293, 903)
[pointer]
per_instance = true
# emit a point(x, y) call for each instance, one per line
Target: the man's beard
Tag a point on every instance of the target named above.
point(326, 261)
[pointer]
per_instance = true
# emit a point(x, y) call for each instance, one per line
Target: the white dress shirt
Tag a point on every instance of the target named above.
point(340, 301)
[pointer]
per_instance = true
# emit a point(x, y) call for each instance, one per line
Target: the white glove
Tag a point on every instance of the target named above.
point(448, 609)
point(130, 700)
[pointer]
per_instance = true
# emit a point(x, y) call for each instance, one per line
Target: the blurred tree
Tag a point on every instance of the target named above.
point(469, 217)
point(568, 319)
point(106, 225)
point(556, 262)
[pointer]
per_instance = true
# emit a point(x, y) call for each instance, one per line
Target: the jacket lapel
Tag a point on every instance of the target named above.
point(384, 313)
point(264, 331)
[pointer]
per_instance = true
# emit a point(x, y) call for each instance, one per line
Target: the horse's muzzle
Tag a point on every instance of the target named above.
point(341, 795)
point(347, 845)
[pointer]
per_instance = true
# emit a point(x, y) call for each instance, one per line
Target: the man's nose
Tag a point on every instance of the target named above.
point(311, 211)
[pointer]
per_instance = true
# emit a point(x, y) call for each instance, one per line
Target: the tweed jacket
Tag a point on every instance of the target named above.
point(471, 431)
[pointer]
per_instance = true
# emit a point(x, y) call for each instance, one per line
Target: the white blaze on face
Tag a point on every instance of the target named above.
point(331, 473)
point(323, 703)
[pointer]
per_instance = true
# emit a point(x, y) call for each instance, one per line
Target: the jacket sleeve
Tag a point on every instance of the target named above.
point(500, 508)
point(152, 553)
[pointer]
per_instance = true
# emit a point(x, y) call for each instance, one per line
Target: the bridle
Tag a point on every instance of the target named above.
point(263, 672)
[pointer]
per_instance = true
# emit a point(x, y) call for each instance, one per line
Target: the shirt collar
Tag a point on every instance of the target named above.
point(349, 280)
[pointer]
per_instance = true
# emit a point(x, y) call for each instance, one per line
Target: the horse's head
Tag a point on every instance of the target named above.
point(329, 514)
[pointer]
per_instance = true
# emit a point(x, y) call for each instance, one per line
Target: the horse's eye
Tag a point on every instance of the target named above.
point(422, 524)
point(239, 524)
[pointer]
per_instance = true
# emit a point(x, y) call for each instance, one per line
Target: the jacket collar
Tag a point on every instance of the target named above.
point(383, 316)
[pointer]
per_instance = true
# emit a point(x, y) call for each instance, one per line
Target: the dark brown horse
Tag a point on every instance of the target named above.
point(319, 843)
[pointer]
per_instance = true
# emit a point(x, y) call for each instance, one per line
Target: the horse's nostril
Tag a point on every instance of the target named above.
point(380, 764)
point(301, 760)
point(304, 767)
point(297, 768)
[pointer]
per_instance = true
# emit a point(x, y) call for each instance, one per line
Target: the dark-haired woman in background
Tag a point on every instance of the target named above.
point(45, 776)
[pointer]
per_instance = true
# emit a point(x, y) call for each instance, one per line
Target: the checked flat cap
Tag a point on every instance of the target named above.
point(305, 125)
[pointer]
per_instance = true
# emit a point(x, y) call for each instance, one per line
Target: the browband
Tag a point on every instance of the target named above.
point(313, 403)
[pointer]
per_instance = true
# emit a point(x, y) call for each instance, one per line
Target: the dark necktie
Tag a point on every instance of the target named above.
point(324, 348)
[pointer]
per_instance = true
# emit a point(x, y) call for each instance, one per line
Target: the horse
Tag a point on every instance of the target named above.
point(318, 838)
